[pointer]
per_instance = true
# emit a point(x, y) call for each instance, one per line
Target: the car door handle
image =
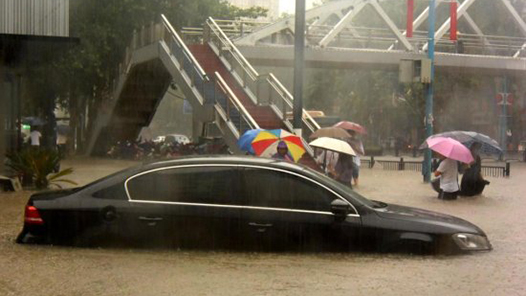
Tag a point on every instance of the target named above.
point(150, 219)
point(259, 225)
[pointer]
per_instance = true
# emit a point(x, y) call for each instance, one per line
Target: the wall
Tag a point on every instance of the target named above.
point(35, 17)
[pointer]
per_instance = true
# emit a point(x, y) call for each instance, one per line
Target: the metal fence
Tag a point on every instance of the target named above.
point(416, 166)
point(496, 171)
point(35, 17)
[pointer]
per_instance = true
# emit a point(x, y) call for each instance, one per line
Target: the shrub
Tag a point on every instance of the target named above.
point(39, 165)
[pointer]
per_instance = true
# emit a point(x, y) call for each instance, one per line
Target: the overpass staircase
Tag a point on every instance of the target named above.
point(215, 78)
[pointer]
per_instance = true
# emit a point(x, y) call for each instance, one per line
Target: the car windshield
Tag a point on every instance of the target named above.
point(350, 194)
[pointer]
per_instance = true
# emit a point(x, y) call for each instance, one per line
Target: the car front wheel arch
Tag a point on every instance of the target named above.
point(411, 243)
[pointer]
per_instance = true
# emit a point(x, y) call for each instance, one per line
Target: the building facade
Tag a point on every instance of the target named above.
point(32, 32)
point(35, 17)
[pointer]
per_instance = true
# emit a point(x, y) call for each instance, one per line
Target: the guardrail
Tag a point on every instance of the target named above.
point(382, 38)
point(416, 166)
point(214, 90)
point(233, 108)
point(263, 89)
point(496, 171)
point(186, 59)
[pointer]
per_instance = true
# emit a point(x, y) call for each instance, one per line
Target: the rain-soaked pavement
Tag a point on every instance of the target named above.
point(53, 270)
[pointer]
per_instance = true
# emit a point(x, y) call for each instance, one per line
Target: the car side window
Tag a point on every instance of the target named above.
point(209, 185)
point(274, 189)
point(113, 192)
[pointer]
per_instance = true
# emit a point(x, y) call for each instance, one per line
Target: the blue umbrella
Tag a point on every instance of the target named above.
point(245, 141)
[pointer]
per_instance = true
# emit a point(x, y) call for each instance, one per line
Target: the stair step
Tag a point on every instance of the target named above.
point(263, 115)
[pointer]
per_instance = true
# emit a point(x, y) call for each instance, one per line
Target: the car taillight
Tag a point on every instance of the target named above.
point(32, 216)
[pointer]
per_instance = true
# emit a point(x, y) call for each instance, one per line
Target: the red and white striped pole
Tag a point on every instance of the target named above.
point(453, 16)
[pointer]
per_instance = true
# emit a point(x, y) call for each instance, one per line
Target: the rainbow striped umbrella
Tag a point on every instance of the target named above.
point(265, 143)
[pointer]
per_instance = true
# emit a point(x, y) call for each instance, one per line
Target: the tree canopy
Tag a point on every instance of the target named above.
point(83, 76)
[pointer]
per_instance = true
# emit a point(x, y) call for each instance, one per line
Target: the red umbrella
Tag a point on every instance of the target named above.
point(348, 125)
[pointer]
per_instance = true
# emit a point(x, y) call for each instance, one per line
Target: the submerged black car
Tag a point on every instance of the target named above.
point(238, 203)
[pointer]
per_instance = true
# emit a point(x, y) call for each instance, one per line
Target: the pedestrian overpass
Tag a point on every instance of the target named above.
point(225, 90)
point(335, 40)
point(220, 84)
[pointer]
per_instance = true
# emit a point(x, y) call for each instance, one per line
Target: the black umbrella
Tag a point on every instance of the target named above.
point(33, 121)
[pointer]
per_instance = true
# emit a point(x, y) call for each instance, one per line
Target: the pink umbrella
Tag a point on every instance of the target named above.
point(348, 125)
point(450, 148)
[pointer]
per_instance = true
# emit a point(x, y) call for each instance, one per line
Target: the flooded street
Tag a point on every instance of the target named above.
point(52, 270)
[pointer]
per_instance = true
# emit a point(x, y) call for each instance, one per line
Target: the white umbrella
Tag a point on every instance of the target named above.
point(333, 145)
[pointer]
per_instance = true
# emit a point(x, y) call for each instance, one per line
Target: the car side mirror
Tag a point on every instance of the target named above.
point(340, 209)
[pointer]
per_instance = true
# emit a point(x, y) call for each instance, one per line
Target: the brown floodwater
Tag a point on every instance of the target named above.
point(500, 212)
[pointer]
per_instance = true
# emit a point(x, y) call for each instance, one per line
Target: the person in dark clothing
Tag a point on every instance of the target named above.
point(282, 152)
point(343, 170)
point(472, 181)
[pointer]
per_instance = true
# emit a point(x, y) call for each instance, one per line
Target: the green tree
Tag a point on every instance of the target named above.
point(82, 77)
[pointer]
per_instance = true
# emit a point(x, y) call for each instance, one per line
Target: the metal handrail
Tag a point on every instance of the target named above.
point(235, 101)
point(231, 98)
point(290, 98)
point(231, 45)
point(255, 76)
point(182, 45)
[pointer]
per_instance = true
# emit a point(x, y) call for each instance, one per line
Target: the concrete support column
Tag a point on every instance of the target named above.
point(197, 128)
point(3, 115)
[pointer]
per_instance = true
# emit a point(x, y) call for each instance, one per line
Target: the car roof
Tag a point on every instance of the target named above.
point(196, 160)
point(223, 159)
point(212, 160)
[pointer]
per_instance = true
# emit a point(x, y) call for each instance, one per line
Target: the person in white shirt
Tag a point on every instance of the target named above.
point(61, 145)
point(448, 172)
point(35, 136)
point(328, 159)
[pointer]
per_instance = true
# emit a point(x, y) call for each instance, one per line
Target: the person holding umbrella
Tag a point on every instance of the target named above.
point(448, 173)
point(472, 181)
point(343, 170)
point(282, 152)
point(276, 143)
point(357, 145)
point(450, 151)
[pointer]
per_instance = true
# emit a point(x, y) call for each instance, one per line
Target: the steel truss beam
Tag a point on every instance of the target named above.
point(346, 10)
point(391, 25)
point(423, 17)
point(519, 21)
point(288, 23)
point(445, 26)
point(417, 22)
point(344, 21)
